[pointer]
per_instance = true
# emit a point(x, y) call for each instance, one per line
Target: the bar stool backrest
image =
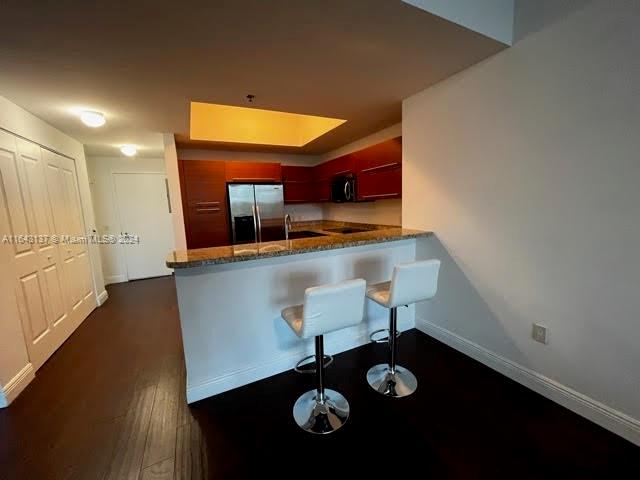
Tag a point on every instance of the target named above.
point(414, 282)
point(332, 307)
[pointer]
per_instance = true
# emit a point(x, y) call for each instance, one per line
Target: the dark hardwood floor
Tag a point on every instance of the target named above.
point(110, 405)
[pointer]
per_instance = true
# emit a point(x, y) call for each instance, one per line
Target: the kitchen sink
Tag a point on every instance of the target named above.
point(347, 230)
point(304, 234)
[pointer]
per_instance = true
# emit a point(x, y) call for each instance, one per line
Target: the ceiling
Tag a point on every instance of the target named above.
point(141, 63)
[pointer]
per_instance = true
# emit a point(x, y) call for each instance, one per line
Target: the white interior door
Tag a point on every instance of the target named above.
point(143, 208)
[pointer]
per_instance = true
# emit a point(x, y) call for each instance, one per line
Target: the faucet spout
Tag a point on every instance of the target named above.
point(287, 226)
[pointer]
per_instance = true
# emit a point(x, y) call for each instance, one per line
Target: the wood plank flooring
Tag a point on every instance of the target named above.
point(110, 404)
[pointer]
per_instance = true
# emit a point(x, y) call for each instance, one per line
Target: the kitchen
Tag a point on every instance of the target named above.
point(259, 227)
point(336, 189)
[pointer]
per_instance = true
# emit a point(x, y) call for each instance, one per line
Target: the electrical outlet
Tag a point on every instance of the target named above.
point(539, 333)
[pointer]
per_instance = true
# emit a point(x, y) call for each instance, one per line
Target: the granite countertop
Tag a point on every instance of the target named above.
point(329, 241)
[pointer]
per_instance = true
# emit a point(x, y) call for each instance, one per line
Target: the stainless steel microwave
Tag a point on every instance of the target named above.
point(343, 189)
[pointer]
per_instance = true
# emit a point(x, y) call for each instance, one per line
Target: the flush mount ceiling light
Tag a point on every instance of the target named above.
point(226, 123)
point(128, 150)
point(92, 119)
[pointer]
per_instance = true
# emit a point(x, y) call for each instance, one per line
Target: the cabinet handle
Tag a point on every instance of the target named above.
point(166, 185)
point(259, 179)
point(207, 203)
point(370, 169)
point(214, 209)
point(343, 171)
point(381, 195)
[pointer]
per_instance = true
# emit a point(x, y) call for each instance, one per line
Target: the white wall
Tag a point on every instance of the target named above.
point(304, 211)
point(383, 212)
point(101, 170)
point(526, 168)
point(15, 368)
point(175, 196)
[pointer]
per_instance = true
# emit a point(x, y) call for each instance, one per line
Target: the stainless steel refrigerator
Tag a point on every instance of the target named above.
point(256, 212)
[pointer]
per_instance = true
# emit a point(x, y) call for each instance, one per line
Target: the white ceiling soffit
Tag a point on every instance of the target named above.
point(493, 18)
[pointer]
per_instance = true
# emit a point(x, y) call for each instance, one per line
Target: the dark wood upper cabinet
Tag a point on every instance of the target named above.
point(344, 165)
point(385, 155)
point(250, 172)
point(380, 184)
point(379, 171)
point(204, 202)
point(299, 186)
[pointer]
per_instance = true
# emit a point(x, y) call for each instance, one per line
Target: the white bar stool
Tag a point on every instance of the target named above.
point(411, 282)
point(326, 308)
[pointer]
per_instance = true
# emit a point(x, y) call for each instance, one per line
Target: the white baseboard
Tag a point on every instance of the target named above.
point(281, 364)
point(18, 383)
point(599, 413)
point(109, 279)
point(102, 297)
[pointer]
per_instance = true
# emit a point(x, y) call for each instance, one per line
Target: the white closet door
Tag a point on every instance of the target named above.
point(67, 218)
point(39, 198)
point(143, 208)
point(34, 266)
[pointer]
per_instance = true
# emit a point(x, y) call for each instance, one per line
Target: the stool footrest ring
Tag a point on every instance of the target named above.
point(383, 339)
point(311, 366)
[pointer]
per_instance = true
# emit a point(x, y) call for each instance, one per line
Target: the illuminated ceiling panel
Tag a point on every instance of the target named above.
point(226, 123)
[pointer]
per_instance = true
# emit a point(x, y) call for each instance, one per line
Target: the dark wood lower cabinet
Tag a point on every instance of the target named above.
point(208, 226)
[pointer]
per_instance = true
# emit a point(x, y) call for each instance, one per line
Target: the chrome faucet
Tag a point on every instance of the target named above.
point(287, 226)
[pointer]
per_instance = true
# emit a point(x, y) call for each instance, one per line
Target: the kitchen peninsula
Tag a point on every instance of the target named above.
point(230, 298)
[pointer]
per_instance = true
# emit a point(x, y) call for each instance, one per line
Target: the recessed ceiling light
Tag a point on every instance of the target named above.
point(128, 150)
point(92, 119)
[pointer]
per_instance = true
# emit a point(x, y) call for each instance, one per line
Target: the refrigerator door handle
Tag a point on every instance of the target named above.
point(259, 233)
point(255, 226)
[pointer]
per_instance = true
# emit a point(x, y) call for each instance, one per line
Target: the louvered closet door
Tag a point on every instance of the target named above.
point(67, 218)
point(34, 267)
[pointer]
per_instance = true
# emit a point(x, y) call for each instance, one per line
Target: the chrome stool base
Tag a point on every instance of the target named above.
point(316, 417)
point(399, 384)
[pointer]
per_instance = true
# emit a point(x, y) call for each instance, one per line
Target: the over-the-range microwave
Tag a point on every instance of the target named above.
point(343, 189)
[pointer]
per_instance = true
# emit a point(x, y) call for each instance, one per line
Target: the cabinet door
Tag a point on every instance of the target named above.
point(344, 165)
point(204, 203)
point(384, 155)
point(291, 173)
point(380, 184)
point(299, 192)
point(299, 186)
point(238, 171)
point(323, 190)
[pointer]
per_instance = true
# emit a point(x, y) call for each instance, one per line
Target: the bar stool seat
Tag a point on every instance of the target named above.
point(293, 316)
point(379, 293)
point(326, 308)
point(410, 283)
